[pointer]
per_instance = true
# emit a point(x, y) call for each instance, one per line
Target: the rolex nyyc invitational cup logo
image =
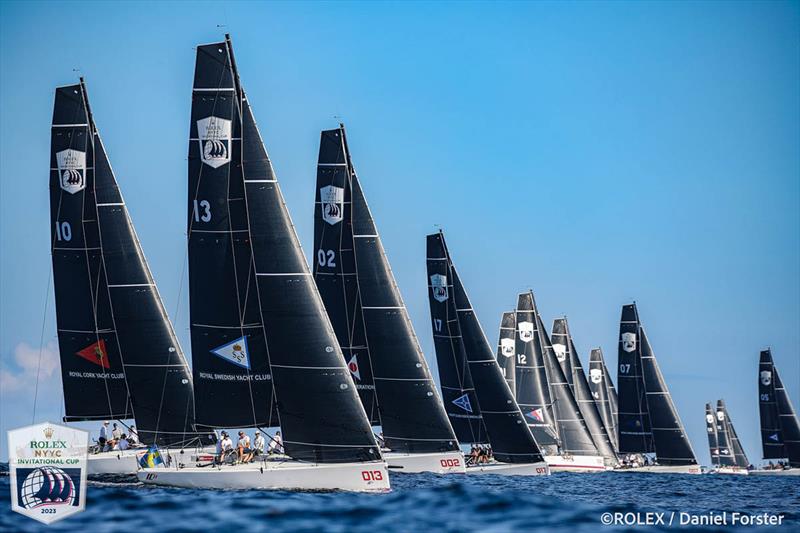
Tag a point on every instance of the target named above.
point(48, 468)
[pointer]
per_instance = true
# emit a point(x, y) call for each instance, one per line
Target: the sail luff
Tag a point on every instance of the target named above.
point(506, 349)
point(711, 431)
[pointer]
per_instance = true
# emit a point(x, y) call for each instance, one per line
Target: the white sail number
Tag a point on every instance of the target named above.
point(624, 368)
point(437, 325)
point(63, 231)
point(522, 359)
point(205, 216)
point(326, 258)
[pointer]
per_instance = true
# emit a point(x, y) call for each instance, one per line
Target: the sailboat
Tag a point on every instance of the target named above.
point(263, 349)
point(546, 399)
point(567, 355)
point(732, 459)
point(780, 429)
point(604, 394)
point(372, 324)
point(120, 358)
point(713, 439)
point(461, 343)
point(647, 421)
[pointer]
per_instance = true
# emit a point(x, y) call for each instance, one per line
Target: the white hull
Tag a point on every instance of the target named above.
point(663, 469)
point(116, 462)
point(510, 469)
point(576, 463)
point(787, 472)
point(274, 475)
point(731, 470)
point(414, 463)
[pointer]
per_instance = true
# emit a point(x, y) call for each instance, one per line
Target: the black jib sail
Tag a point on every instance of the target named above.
point(672, 446)
point(573, 433)
point(91, 365)
point(506, 349)
point(533, 391)
point(412, 417)
point(731, 452)
point(509, 436)
point(155, 370)
point(284, 337)
point(711, 431)
point(458, 390)
point(582, 392)
point(601, 388)
point(335, 264)
point(633, 417)
point(789, 424)
point(780, 430)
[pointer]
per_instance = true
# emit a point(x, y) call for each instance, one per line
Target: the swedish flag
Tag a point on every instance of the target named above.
point(151, 458)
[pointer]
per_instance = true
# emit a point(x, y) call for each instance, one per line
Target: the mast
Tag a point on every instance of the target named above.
point(771, 434)
point(506, 349)
point(599, 382)
point(91, 367)
point(158, 377)
point(583, 394)
point(533, 391)
point(229, 348)
point(574, 435)
point(458, 389)
point(509, 436)
point(335, 264)
point(711, 430)
point(672, 446)
point(412, 416)
point(633, 417)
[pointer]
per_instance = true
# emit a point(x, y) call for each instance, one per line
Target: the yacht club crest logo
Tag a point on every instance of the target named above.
point(439, 287)
point(463, 402)
point(561, 352)
point(596, 375)
point(525, 330)
point(710, 420)
point(507, 347)
point(766, 377)
point(47, 463)
point(629, 342)
point(71, 170)
point(331, 200)
point(234, 352)
point(214, 136)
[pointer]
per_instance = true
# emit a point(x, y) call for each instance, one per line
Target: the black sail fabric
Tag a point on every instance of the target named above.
point(458, 390)
point(232, 377)
point(412, 416)
point(633, 418)
point(335, 265)
point(788, 421)
point(320, 412)
point(671, 444)
point(726, 455)
point(506, 349)
point(573, 433)
point(158, 377)
point(509, 436)
point(91, 366)
point(560, 340)
point(711, 431)
point(771, 434)
point(739, 457)
point(583, 394)
point(599, 388)
point(533, 391)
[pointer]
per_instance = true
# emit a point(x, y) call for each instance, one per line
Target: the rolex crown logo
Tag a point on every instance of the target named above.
point(48, 432)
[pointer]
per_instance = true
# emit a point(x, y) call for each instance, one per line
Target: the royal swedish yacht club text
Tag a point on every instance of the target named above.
point(235, 377)
point(680, 518)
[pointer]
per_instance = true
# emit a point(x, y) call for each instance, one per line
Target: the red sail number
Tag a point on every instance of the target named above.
point(372, 475)
point(449, 463)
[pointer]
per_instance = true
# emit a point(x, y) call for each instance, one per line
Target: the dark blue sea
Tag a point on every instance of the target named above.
point(422, 503)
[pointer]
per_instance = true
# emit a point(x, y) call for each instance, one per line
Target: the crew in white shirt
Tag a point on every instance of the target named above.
point(133, 438)
point(258, 444)
point(116, 433)
point(243, 447)
point(224, 446)
point(104, 434)
point(276, 444)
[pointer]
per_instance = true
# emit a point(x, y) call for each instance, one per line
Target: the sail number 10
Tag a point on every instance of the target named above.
point(63, 231)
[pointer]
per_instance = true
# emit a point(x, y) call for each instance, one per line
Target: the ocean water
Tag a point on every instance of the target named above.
point(427, 502)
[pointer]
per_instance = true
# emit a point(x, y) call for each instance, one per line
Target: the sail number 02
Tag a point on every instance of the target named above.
point(63, 231)
point(326, 258)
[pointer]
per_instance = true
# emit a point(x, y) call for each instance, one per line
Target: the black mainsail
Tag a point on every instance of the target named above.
point(412, 416)
point(508, 434)
point(272, 329)
point(506, 349)
point(601, 388)
point(157, 375)
point(582, 392)
point(780, 430)
point(533, 390)
point(711, 431)
point(731, 452)
point(633, 417)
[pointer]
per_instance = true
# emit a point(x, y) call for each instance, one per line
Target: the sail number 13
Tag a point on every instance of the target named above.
point(202, 211)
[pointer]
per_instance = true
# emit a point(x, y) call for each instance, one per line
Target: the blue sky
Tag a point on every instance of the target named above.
point(595, 152)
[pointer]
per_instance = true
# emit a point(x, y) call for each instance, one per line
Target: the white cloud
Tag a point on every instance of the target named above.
point(29, 364)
